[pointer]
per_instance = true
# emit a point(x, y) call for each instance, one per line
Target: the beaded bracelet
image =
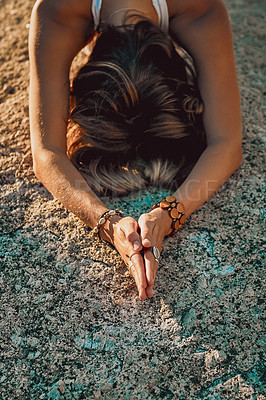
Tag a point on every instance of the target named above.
point(104, 217)
point(176, 211)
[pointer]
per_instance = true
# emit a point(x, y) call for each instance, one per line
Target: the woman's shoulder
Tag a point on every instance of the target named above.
point(64, 9)
point(178, 7)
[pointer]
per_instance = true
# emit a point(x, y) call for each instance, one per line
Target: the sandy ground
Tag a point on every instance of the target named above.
point(72, 326)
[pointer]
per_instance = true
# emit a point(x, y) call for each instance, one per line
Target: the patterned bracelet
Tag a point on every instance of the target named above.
point(176, 211)
point(104, 217)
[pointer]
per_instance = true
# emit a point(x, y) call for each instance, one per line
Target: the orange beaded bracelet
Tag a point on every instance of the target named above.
point(176, 211)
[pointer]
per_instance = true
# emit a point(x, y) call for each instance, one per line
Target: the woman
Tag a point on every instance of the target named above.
point(116, 118)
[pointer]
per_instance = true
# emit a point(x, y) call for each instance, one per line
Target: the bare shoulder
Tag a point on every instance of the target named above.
point(63, 9)
point(196, 8)
point(189, 14)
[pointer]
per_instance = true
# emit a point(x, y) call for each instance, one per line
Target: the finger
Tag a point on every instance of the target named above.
point(151, 267)
point(129, 229)
point(146, 228)
point(138, 272)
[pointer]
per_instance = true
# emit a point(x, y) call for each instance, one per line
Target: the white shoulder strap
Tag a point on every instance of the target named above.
point(163, 15)
point(96, 6)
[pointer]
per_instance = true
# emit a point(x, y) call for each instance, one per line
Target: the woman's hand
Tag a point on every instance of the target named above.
point(154, 226)
point(123, 234)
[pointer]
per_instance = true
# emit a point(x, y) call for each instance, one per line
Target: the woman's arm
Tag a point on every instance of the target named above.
point(59, 29)
point(203, 29)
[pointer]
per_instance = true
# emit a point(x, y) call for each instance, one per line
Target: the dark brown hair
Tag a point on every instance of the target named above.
point(135, 111)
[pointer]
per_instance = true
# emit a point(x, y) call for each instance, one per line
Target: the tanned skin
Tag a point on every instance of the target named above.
point(59, 29)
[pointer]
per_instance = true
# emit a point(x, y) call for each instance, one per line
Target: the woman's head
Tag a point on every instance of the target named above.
point(135, 97)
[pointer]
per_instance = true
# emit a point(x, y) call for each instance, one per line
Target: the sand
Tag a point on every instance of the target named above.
point(72, 326)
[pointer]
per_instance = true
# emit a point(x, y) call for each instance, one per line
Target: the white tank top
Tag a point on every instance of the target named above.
point(159, 5)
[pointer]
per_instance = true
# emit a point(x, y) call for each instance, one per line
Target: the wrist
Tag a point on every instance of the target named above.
point(105, 225)
point(106, 231)
point(165, 219)
point(175, 211)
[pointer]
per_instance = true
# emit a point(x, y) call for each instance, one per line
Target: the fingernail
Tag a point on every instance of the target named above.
point(146, 242)
point(136, 245)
